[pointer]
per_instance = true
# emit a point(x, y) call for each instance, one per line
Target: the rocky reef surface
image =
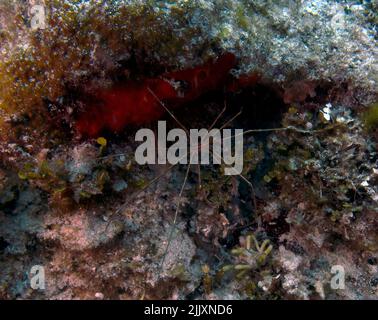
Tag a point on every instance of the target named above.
point(104, 227)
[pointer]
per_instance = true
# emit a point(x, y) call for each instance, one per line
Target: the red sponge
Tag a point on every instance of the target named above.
point(134, 103)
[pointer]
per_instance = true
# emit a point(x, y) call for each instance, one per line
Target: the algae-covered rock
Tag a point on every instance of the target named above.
point(91, 41)
point(105, 227)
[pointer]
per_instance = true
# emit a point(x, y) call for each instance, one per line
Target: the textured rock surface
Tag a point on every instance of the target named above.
point(98, 225)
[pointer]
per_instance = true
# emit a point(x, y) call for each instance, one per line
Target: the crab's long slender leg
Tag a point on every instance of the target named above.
point(231, 120)
point(210, 128)
point(170, 237)
point(219, 116)
point(242, 177)
point(169, 111)
point(186, 175)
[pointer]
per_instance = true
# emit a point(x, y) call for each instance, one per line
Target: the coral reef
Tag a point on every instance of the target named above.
point(303, 87)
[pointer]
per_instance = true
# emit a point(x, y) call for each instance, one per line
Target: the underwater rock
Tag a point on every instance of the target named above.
point(106, 228)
